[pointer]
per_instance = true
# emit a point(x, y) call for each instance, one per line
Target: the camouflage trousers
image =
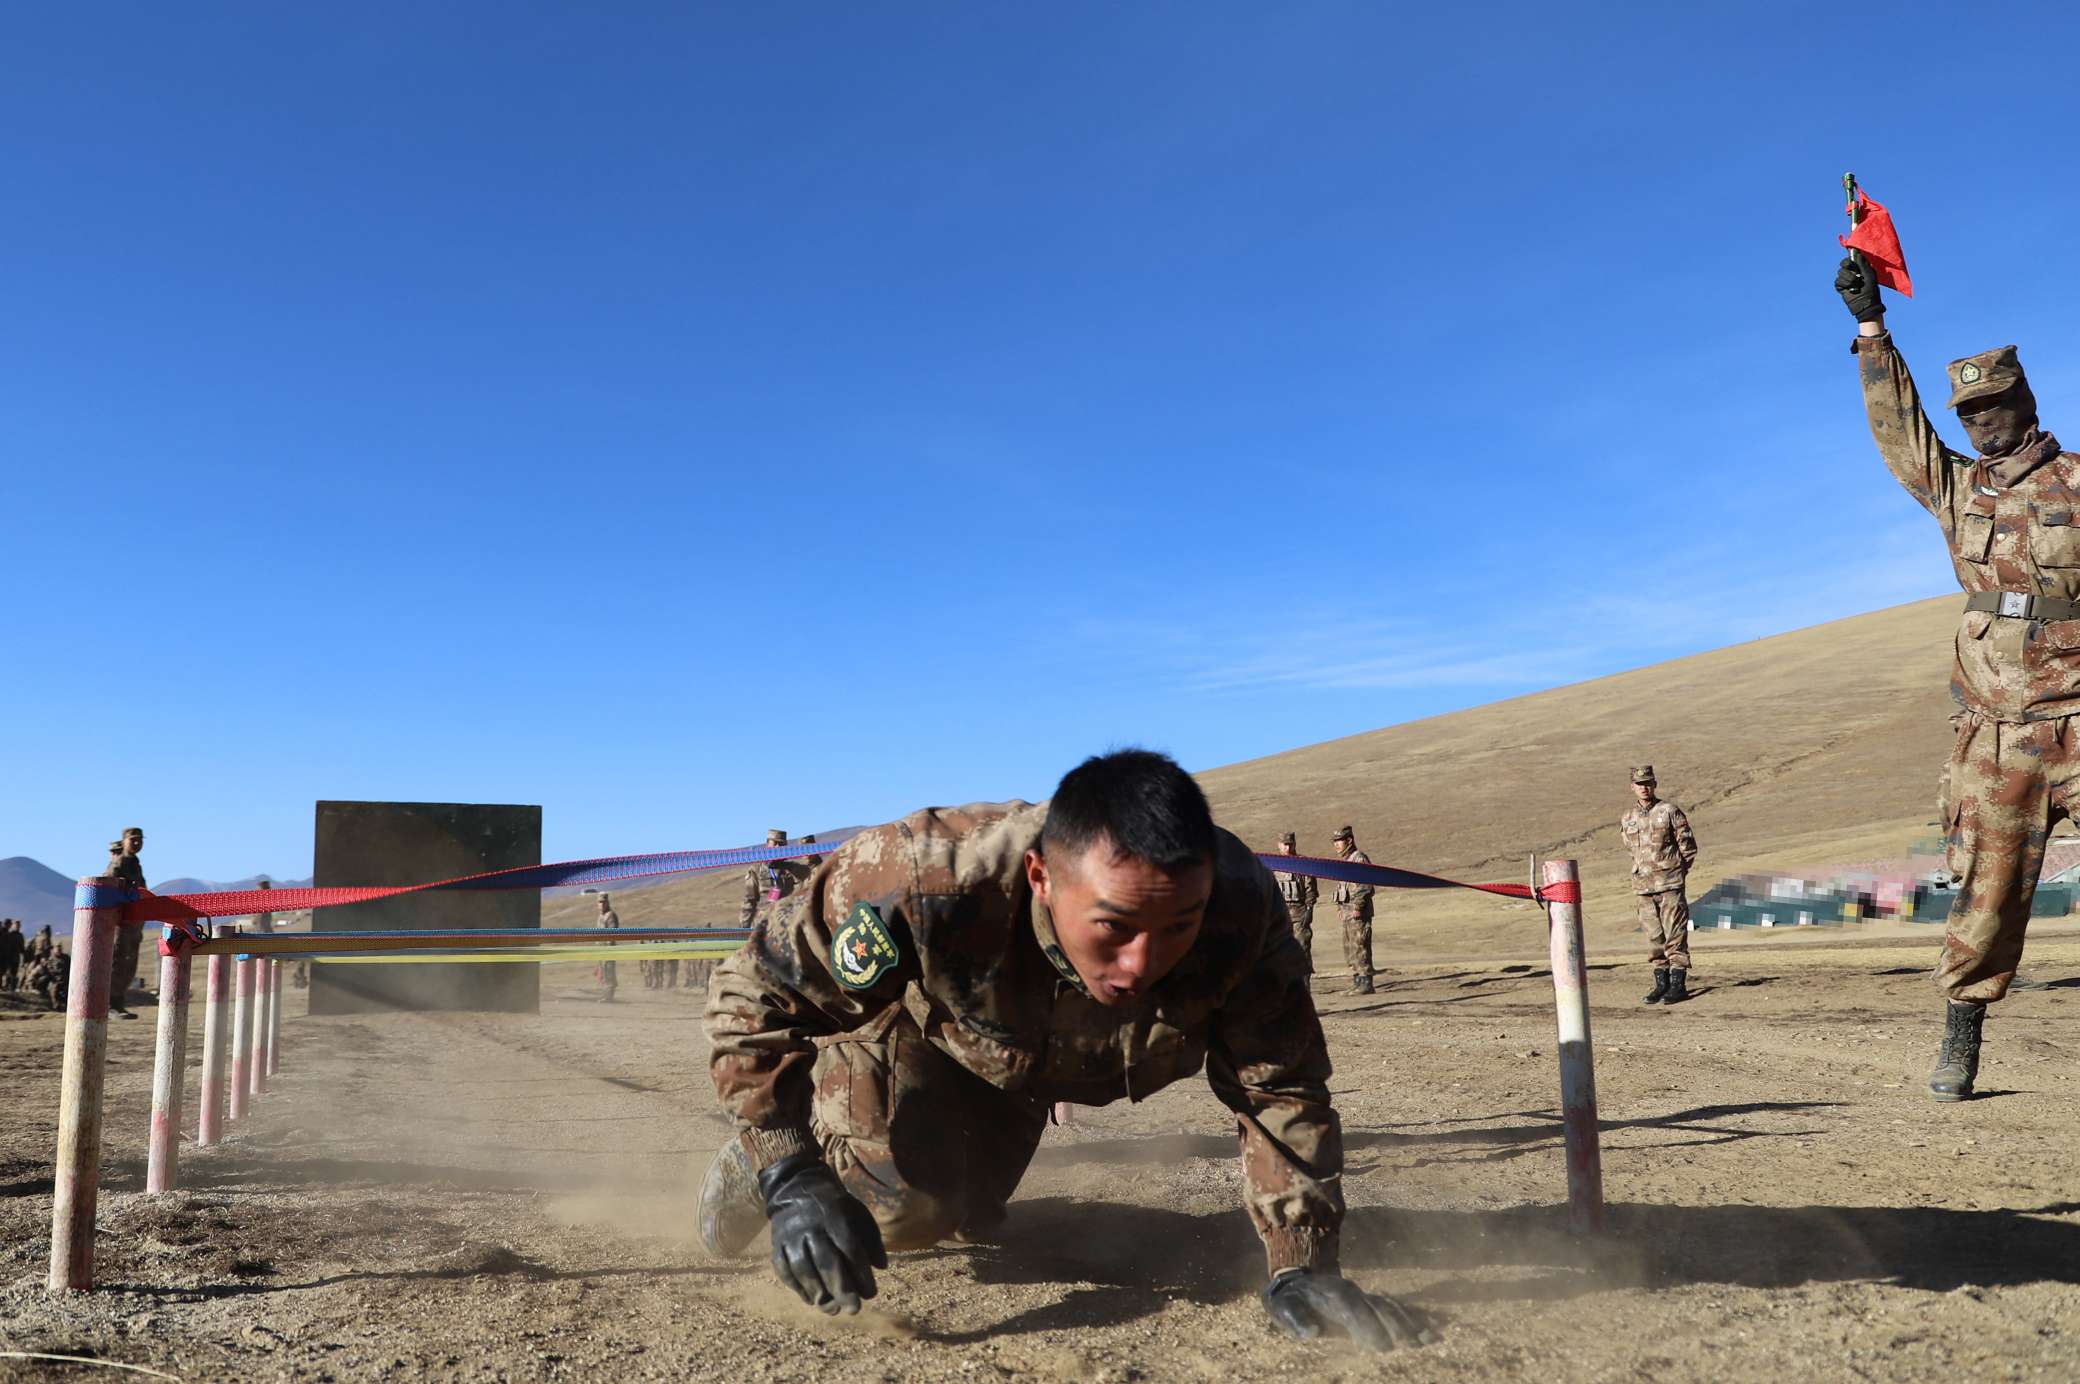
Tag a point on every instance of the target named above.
point(1665, 918)
point(1302, 918)
point(129, 941)
point(698, 969)
point(927, 1145)
point(2007, 784)
point(607, 977)
point(1357, 943)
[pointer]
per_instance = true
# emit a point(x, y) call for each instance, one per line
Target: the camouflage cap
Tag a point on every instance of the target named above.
point(1288, 839)
point(775, 836)
point(1343, 833)
point(1642, 773)
point(1984, 375)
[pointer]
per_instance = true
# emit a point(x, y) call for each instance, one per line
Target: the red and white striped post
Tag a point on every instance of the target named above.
point(274, 1019)
point(256, 1056)
point(242, 1038)
point(216, 1047)
point(1577, 1060)
point(97, 908)
point(169, 1072)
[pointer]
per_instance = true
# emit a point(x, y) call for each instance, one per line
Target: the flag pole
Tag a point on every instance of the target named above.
point(1855, 216)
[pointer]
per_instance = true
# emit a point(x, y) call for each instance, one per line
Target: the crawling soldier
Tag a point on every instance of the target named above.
point(890, 1038)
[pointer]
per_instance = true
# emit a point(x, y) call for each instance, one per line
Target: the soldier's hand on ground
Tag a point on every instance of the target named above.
point(825, 1243)
point(1859, 290)
point(1310, 1303)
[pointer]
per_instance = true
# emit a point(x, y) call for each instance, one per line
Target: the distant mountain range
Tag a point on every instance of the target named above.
point(35, 893)
point(40, 896)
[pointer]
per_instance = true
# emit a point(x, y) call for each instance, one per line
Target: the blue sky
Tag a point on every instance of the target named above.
point(696, 418)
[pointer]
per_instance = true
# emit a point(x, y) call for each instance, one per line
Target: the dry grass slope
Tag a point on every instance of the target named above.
point(1815, 746)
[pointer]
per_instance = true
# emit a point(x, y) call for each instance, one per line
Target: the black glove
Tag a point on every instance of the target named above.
point(1859, 290)
point(1307, 1303)
point(825, 1243)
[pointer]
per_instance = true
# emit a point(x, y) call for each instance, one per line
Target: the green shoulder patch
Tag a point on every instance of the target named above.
point(862, 951)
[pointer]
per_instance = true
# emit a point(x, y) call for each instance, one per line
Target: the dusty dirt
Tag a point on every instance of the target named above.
point(474, 1197)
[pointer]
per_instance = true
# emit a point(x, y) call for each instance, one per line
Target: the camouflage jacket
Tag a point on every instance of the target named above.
point(1354, 900)
point(1298, 891)
point(1658, 835)
point(610, 919)
point(972, 957)
point(129, 869)
point(769, 882)
point(2023, 538)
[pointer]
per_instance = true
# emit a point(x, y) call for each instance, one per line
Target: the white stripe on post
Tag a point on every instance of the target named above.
point(241, 1037)
point(1577, 1058)
point(216, 1047)
point(76, 1186)
point(169, 1072)
point(274, 1019)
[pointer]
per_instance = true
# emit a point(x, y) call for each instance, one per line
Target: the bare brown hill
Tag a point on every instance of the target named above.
point(1807, 748)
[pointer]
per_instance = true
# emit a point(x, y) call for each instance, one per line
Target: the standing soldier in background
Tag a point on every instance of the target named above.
point(1658, 835)
point(608, 918)
point(2009, 518)
point(12, 945)
point(1354, 907)
point(762, 883)
point(1299, 893)
point(771, 881)
point(124, 865)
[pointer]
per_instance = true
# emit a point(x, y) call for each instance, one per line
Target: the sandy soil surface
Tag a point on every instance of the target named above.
point(475, 1197)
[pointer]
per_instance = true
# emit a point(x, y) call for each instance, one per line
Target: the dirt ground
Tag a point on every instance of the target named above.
point(476, 1197)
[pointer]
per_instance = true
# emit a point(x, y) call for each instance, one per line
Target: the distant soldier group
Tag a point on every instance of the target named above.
point(36, 963)
point(1353, 908)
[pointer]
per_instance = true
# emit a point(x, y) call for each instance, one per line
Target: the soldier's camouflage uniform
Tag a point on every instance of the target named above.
point(2014, 766)
point(129, 936)
point(1663, 850)
point(765, 885)
point(1299, 893)
point(12, 945)
point(48, 975)
point(924, 1076)
point(1354, 907)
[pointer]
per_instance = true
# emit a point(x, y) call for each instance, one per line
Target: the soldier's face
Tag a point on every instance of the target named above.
point(1643, 791)
point(1997, 425)
point(1123, 923)
point(133, 841)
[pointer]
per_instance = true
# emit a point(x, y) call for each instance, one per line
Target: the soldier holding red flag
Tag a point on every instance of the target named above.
point(2011, 515)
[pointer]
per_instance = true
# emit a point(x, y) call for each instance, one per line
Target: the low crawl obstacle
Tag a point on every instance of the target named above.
point(243, 987)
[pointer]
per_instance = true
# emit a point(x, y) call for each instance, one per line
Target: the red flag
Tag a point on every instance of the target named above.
point(1879, 242)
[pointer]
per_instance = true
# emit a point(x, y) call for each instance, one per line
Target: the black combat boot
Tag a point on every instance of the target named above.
point(1361, 985)
point(1957, 1060)
point(732, 1210)
point(1677, 981)
point(1660, 988)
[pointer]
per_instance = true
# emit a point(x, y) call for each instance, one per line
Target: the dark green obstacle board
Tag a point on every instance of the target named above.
point(378, 844)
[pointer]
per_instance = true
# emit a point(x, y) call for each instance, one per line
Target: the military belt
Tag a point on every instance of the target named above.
point(2020, 605)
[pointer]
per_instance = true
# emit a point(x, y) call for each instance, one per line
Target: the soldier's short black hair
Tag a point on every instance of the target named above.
point(1140, 801)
